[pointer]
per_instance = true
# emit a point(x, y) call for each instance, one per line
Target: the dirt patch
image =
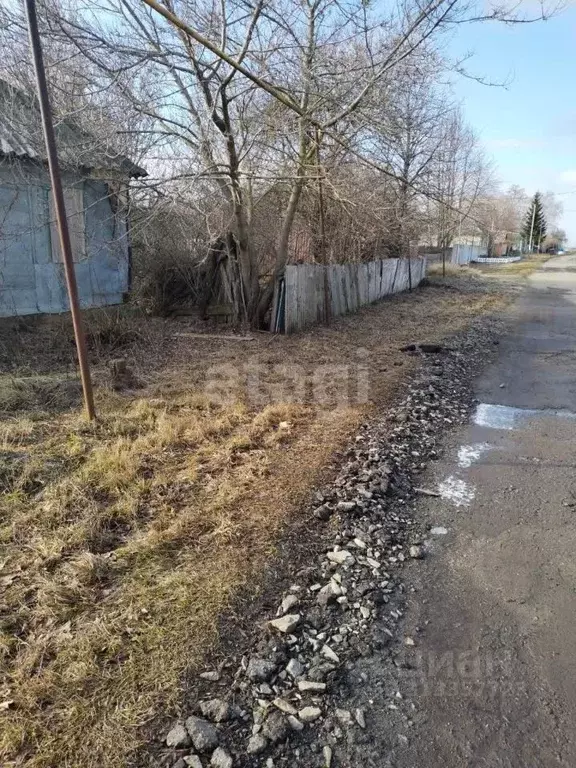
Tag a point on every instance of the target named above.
point(123, 542)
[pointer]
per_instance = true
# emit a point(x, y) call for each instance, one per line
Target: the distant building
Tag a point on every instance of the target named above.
point(95, 189)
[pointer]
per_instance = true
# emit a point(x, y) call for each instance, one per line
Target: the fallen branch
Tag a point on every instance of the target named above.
point(216, 336)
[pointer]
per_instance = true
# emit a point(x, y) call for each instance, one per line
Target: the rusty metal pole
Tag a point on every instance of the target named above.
point(61, 219)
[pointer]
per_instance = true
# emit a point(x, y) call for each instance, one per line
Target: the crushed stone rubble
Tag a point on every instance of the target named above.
point(282, 703)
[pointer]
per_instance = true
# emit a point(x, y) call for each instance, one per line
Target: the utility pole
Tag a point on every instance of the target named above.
point(62, 221)
point(532, 225)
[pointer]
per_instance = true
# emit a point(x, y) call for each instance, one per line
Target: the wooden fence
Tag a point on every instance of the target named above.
point(456, 254)
point(313, 293)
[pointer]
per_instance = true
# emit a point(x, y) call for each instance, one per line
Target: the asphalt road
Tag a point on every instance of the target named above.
point(493, 671)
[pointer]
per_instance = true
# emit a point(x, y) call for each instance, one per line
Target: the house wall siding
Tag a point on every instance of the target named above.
point(31, 273)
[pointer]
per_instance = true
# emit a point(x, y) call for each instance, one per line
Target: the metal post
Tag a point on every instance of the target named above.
point(58, 195)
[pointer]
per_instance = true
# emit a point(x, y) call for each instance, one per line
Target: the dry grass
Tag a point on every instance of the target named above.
point(451, 270)
point(38, 393)
point(124, 541)
point(525, 267)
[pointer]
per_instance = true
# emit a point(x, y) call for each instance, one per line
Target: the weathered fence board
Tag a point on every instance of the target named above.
point(315, 292)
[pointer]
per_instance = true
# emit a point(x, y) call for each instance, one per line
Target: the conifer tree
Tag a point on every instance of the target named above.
point(534, 227)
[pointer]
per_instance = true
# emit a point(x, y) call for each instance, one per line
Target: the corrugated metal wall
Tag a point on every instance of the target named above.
point(464, 254)
point(314, 292)
point(31, 273)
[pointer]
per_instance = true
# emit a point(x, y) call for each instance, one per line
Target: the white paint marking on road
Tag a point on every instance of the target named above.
point(457, 491)
point(506, 417)
point(468, 454)
point(438, 530)
point(496, 416)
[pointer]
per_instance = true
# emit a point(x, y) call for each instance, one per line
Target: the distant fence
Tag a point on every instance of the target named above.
point(457, 254)
point(464, 254)
point(313, 293)
point(497, 259)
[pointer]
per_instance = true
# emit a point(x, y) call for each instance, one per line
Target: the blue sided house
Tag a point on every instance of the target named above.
point(96, 182)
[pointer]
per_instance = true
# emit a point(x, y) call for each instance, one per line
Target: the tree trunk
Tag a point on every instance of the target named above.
point(281, 254)
point(287, 224)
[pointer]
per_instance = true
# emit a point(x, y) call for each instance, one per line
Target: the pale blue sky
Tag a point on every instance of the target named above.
point(528, 127)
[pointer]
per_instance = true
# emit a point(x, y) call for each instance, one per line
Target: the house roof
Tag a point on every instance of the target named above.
point(21, 137)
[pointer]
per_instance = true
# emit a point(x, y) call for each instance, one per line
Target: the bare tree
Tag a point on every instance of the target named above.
point(460, 177)
point(238, 104)
point(407, 136)
point(555, 240)
point(553, 209)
